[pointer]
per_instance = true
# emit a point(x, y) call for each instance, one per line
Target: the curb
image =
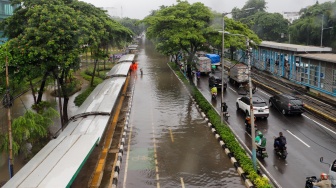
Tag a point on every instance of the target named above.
point(122, 142)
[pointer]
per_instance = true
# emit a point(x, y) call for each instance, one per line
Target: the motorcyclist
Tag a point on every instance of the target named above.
point(324, 183)
point(248, 120)
point(213, 90)
point(280, 142)
point(260, 140)
point(248, 123)
point(198, 74)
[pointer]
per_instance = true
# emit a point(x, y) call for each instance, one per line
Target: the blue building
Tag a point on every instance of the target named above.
point(6, 10)
point(310, 66)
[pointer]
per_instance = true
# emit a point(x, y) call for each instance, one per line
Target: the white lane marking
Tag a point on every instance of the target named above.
point(319, 124)
point(182, 183)
point(127, 158)
point(232, 89)
point(298, 138)
point(264, 92)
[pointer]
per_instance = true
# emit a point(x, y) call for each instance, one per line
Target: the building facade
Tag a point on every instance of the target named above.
point(309, 66)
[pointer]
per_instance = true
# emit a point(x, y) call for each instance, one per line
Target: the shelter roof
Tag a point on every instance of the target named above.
point(294, 47)
point(329, 57)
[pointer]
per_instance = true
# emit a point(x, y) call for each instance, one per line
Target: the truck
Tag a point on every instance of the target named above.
point(239, 75)
point(203, 64)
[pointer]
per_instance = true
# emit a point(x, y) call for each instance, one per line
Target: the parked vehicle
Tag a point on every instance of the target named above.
point(260, 107)
point(286, 104)
point(215, 80)
point(239, 75)
point(203, 64)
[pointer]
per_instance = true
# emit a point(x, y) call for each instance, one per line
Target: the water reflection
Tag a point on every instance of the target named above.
point(169, 135)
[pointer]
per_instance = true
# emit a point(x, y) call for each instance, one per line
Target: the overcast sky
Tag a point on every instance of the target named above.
point(141, 8)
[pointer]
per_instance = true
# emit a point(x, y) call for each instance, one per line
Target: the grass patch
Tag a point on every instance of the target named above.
point(87, 75)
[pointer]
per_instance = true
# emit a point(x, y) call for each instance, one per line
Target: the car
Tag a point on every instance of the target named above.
point(286, 104)
point(215, 80)
point(260, 107)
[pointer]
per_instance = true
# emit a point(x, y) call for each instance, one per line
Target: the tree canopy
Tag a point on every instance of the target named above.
point(183, 25)
point(190, 28)
point(46, 38)
point(268, 26)
point(307, 29)
point(250, 8)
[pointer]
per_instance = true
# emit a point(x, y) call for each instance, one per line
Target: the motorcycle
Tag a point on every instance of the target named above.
point(214, 96)
point(281, 152)
point(226, 115)
point(310, 180)
point(261, 152)
point(248, 127)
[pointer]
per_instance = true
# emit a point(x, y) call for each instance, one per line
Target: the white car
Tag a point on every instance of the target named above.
point(260, 107)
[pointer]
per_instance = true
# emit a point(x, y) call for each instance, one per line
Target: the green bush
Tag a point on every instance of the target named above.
point(225, 133)
point(81, 97)
point(87, 75)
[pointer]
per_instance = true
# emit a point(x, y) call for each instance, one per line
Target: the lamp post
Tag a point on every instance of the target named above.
point(323, 29)
point(254, 147)
point(223, 104)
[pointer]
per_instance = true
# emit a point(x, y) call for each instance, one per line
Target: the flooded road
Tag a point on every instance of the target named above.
point(169, 143)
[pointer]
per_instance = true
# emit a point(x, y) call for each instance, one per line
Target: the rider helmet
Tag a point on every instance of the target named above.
point(259, 133)
point(324, 176)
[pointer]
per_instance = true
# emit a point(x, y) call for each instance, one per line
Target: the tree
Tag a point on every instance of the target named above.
point(134, 25)
point(100, 31)
point(254, 5)
point(307, 29)
point(268, 26)
point(46, 37)
point(183, 25)
point(50, 43)
point(29, 128)
point(233, 27)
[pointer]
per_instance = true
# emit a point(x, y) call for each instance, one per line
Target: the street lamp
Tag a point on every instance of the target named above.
point(323, 29)
point(254, 147)
point(223, 104)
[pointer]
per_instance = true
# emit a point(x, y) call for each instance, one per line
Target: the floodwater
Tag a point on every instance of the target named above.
point(169, 144)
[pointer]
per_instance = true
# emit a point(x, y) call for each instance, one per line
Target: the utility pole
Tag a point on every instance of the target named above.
point(254, 147)
point(223, 104)
point(8, 102)
point(323, 29)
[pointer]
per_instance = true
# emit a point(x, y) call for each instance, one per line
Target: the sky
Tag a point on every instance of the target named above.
point(139, 9)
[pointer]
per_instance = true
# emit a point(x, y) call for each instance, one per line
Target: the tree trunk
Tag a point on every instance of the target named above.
point(40, 92)
point(65, 109)
point(33, 90)
point(59, 97)
point(93, 72)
